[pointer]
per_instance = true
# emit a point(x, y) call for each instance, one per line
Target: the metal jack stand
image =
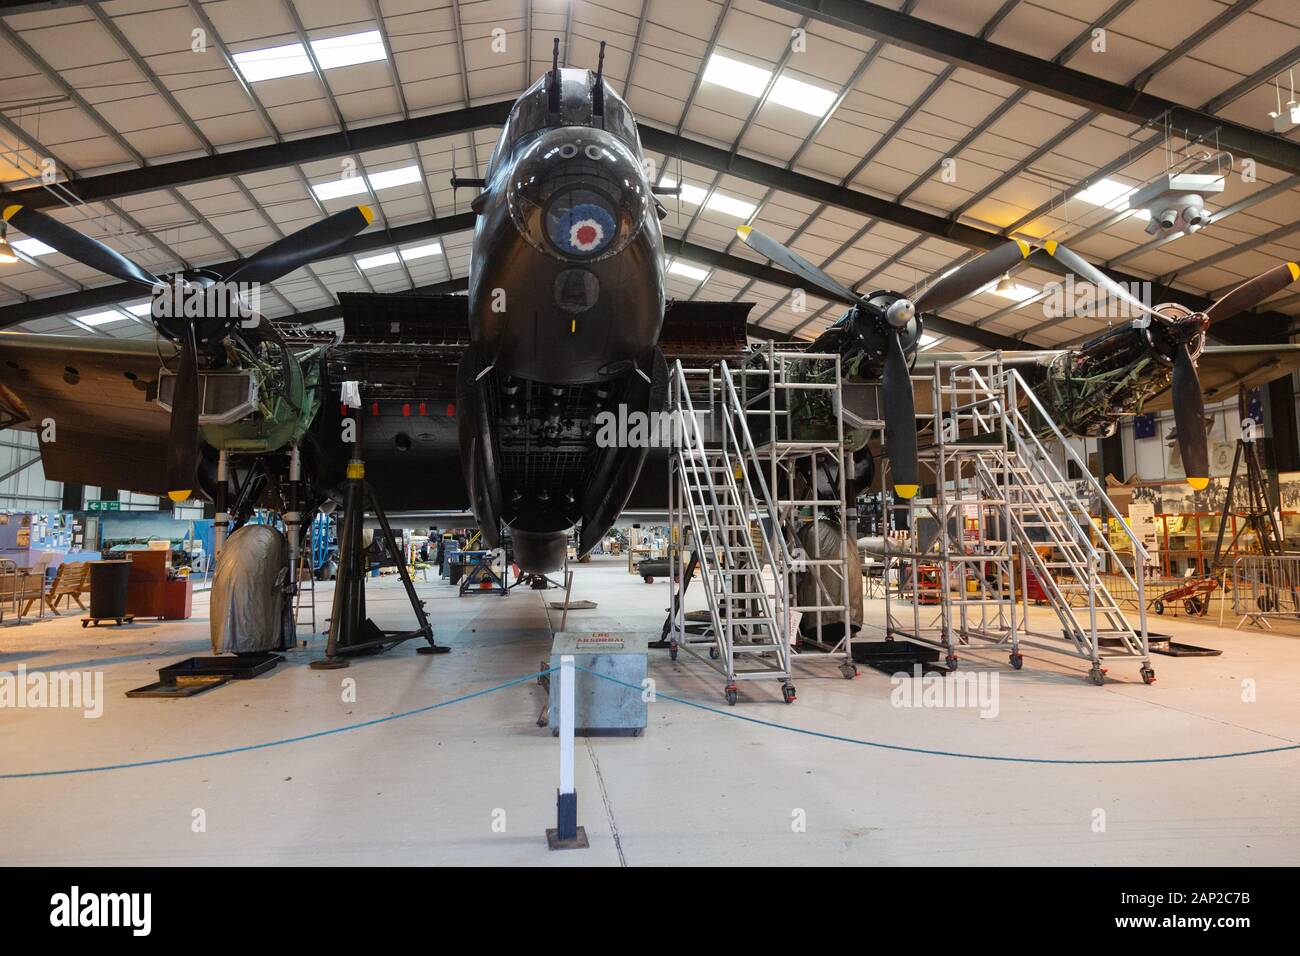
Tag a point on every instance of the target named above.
point(351, 632)
point(566, 835)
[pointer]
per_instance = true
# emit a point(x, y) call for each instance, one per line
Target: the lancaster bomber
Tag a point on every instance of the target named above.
point(492, 399)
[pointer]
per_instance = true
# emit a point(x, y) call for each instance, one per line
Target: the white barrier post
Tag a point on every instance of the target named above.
point(567, 835)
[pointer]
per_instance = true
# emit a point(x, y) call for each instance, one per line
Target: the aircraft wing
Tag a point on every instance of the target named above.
point(98, 393)
point(1223, 368)
point(407, 348)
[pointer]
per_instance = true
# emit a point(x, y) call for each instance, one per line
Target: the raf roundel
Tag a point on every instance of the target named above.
point(581, 228)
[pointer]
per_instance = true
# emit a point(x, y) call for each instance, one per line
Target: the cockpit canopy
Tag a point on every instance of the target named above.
point(533, 114)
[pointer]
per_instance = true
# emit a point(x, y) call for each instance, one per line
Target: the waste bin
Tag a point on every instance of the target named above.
point(108, 588)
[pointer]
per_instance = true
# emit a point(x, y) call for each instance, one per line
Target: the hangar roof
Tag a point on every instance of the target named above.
point(885, 160)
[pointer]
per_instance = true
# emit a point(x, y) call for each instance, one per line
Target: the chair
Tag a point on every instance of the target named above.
point(22, 588)
point(70, 582)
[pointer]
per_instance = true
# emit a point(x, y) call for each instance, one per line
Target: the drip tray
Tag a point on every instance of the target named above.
point(893, 657)
point(194, 675)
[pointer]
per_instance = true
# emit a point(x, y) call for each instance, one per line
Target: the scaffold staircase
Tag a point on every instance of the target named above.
point(1004, 507)
point(718, 504)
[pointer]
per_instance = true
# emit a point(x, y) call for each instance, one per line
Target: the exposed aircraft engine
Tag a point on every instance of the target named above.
point(1112, 375)
point(249, 612)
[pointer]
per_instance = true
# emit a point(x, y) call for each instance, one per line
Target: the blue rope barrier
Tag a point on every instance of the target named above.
point(281, 742)
point(938, 753)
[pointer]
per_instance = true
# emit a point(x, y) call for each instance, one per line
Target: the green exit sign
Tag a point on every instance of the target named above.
point(103, 506)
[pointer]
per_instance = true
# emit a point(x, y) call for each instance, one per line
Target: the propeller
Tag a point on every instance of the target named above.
point(973, 276)
point(74, 245)
point(1188, 398)
point(1185, 386)
point(1189, 419)
point(899, 407)
point(1253, 291)
point(190, 333)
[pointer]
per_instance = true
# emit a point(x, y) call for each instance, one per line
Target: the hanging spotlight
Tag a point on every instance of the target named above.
point(1005, 285)
point(7, 254)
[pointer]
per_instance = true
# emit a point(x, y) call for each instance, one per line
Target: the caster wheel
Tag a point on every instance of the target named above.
point(1193, 606)
point(849, 671)
point(1159, 607)
point(672, 653)
point(85, 624)
point(713, 653)
point(951, 661)
point(731, 696)
point(1148, 675)
point(1017, 661)
point(647, 579)
point(787, 692)
point(1097, 675)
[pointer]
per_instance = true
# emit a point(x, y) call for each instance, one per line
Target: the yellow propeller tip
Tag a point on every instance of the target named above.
point(368, 213)
point(11, 211)
point(1025, 248)
point(1295, 270)
point(906, 491)
point(744, 231)
point(179, 496)
point(1050, 245)
point(1198, 484)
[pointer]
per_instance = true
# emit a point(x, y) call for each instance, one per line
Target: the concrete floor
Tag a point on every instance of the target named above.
point(698, 787)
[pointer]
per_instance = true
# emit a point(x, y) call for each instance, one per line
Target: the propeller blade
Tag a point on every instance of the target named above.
point(1087, 271)
point(1253, 291)
point(790, 260)
point(183, 440)
point(1189, 419)
point(973, 275)
point(77, 246)
point(900, 420)
point(301, 247)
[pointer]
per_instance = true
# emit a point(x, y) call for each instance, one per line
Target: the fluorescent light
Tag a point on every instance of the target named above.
point(801, 96)
point(1011, 290)
point(374, 262)
point(101, 318)
point(273, 62)
point(1110, 194)
point(291, 59)
point(353, 185)
point(735, 75)
point(753, 80)
point(926, 340)
point(1105, 192)
point(395, 177)
point(729, 205)
point(349, 49)
point(688, 271)
point(337, 188)
point(141, 309)
point(422, 252)
point(32, 247)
